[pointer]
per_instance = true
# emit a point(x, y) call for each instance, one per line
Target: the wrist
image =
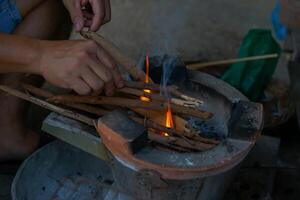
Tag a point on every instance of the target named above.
point(42, 47)
point(35, 58)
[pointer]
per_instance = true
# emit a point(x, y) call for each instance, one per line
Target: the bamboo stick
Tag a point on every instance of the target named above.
point(197, 66)
point(47, 105)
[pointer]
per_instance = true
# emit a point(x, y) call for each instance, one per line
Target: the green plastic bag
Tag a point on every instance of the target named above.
point(252, 77)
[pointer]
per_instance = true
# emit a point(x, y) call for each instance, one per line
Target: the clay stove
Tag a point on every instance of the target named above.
point(155, 173)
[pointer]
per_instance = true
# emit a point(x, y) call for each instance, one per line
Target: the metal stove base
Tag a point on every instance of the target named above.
point(60, 171)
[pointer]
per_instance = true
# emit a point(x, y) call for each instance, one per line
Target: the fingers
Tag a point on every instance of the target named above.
point(93, 81)
point(75, 11)
point(81, 87)
point(109, 62)
point(104, 59)
point(104, 74)
point(98, 8)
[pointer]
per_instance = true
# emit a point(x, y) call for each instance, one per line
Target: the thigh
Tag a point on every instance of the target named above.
point(44, 20)
point(26, 6)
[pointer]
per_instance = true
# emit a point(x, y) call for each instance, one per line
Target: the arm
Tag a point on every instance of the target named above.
point(18, 54)
point(80, 65)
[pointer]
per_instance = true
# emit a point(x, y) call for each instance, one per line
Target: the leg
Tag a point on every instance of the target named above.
point(42, 18)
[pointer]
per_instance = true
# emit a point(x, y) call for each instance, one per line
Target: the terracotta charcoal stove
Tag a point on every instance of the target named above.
point(145, 163)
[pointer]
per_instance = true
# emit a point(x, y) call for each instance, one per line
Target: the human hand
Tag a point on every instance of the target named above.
point(81, 65)
point(88, 13)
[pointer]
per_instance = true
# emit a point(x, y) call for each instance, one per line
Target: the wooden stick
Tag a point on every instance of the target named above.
point(131, 103)
point(194, 136)
point(120, 58)
point(156, 87)
point(139, 93)
point(143, 85)
point(158, 97)
point(197, 66)
point(100, 112)
point(44, 104)
point(83, 107)
point(193, 145)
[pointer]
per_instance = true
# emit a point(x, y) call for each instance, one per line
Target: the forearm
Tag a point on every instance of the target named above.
point(19, 54)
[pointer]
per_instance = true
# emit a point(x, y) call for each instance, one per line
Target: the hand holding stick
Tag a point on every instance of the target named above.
point(120, 58)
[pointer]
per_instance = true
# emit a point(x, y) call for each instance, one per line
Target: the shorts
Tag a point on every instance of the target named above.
point(10, 16)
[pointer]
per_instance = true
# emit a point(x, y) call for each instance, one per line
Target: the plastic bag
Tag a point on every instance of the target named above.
point(252, 77)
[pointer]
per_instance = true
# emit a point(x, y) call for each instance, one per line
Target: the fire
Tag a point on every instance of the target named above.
point(169, 119)
point(147, 69)
point(143, 98)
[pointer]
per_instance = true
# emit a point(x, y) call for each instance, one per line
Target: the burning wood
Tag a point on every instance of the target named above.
point(130, 103)
point(175, 139)
point(183, 100)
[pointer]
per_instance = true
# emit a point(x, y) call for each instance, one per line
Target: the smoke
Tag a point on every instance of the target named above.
point(168, 21)
point(168, 67)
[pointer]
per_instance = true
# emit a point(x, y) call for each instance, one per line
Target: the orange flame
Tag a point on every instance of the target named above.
point(143, 98)
point(147, 69)
point(169, 119)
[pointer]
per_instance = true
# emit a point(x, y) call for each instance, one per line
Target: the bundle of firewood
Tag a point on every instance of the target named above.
point(151, 114)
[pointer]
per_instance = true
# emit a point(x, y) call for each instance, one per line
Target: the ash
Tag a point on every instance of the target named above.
point(114, 195)
point(205, 129)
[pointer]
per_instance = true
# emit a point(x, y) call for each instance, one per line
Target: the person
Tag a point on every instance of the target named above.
point(26, 27)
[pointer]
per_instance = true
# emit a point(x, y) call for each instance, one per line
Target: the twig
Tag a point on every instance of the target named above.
point(197, 66)
point(44, 104)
